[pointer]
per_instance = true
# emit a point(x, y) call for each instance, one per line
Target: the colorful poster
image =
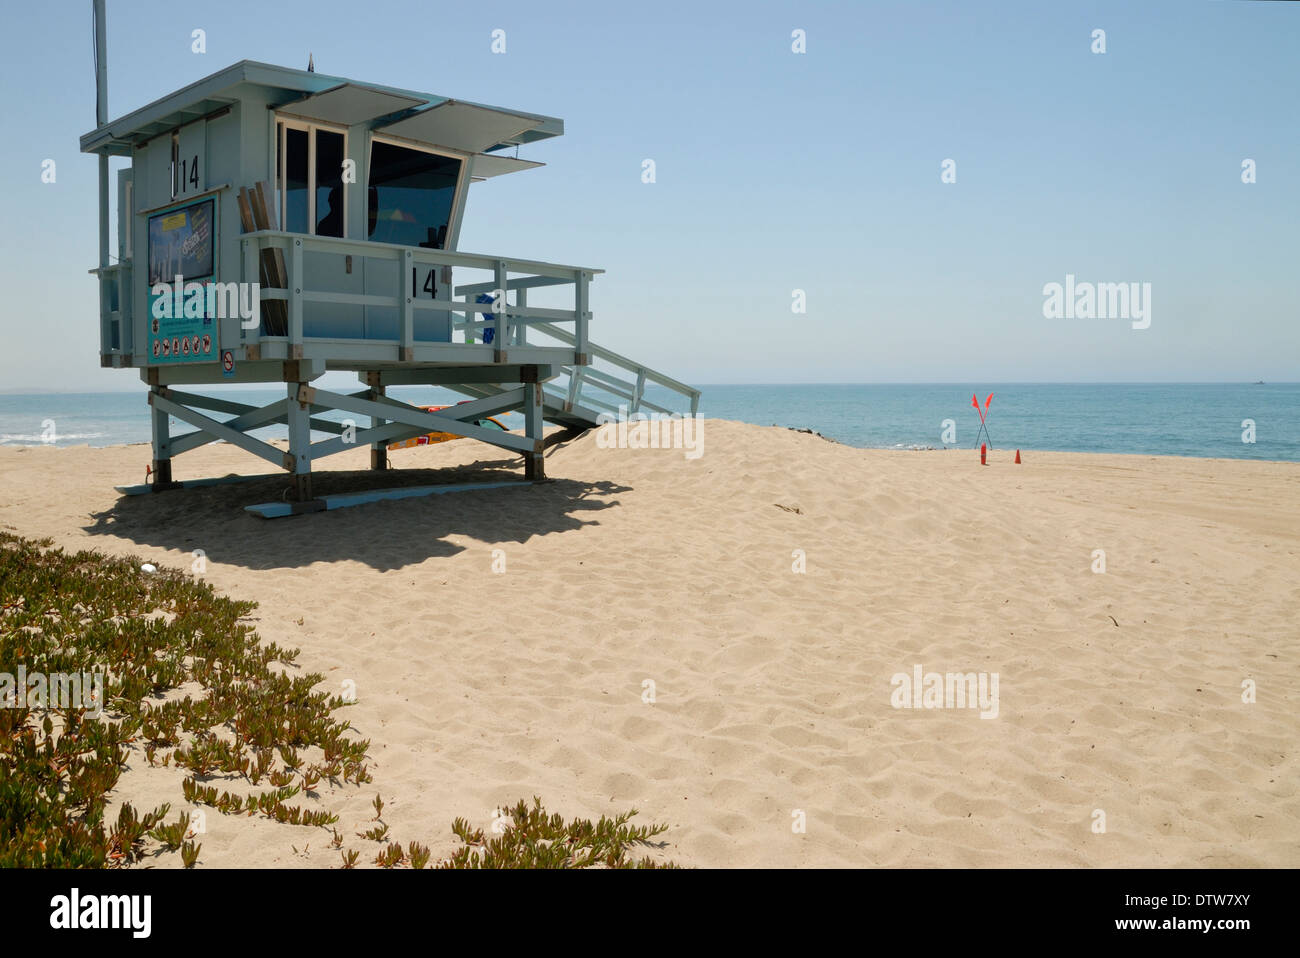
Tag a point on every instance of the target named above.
point(182, 313)
point(181, 243)
point(182, 326)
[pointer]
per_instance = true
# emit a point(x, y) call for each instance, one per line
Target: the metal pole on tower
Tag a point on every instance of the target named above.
point(101, 118)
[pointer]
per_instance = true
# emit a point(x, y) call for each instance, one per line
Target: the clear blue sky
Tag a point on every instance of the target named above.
point(776, 171)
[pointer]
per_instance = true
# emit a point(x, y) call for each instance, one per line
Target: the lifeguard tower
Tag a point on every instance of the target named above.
point(275, 224)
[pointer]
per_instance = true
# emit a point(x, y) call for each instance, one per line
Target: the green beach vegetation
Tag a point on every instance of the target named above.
point(183, 681)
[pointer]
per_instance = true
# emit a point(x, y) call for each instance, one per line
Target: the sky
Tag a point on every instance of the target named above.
point(775, 172)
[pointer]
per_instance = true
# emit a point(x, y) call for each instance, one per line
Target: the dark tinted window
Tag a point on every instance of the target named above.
point(295, 187)
point(329, 183)
point(410, 195)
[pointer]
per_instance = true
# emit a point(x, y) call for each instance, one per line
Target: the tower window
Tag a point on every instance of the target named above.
point(411, 195)
point(309, 177)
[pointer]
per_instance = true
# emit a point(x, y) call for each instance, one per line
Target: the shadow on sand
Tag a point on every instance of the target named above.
point(383, 535)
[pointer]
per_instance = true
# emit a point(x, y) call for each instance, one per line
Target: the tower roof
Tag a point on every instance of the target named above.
point(423, 117)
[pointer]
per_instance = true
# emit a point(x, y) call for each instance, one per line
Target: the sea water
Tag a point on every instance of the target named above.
point(1152, 419)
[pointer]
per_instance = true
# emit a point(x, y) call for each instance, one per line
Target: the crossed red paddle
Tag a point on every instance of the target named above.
point(984, 427)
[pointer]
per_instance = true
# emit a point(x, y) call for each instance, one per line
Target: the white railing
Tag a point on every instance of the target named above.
point(509, 325)
point(116, 332)
point(601, 380)
point(599, 386)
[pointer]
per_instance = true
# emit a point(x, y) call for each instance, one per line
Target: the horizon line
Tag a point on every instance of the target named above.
point(706, 385)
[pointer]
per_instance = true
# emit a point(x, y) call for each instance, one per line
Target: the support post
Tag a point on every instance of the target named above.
point(298, 458)
point(378, 449)
point(576, 374)
point(534, 426)
point(639, 391)
point(162, 452)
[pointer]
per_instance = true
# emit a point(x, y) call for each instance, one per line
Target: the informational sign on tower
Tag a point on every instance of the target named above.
point(182, 322)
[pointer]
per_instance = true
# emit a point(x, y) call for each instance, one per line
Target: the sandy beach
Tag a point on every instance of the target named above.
point(769, 701)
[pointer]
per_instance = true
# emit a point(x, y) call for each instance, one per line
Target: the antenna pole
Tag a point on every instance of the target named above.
point(101, 66)
point(101, 117)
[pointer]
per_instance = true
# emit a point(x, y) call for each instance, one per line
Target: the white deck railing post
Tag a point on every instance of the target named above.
point(126, 310)
point(521, 328)
point(105, 320)
point(499, 338)
point(406, 335)
point(251, 251)
point(581, 301)
point(295, 300)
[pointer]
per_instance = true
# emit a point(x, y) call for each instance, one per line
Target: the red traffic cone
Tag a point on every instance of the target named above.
point(984, 450)
point(1017, 457)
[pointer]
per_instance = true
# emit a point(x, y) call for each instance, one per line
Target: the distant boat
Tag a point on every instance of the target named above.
point(1259, 382)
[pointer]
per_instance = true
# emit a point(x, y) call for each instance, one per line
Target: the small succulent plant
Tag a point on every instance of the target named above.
point(86, 612)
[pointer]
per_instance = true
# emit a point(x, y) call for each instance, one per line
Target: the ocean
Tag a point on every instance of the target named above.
point(1151, 419)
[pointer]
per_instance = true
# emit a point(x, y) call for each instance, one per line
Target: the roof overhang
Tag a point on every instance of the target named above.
point(486, 165)
point(475, 127)
point(465, 127)
point(349, 104)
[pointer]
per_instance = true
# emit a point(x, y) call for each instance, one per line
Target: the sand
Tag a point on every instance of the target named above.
point(1119, 692)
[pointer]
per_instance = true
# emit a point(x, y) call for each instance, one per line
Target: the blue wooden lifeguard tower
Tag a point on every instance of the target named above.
point(275, 224)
